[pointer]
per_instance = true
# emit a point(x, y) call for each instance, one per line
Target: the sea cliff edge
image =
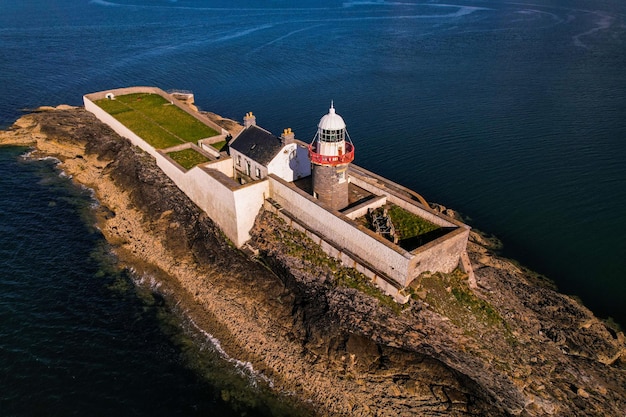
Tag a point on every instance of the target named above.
point(513, 346)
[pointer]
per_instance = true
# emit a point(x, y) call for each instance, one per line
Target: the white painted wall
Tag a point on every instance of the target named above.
point(234, 207)
point(223, 165)
point(240, 162)
point(291, 163)
point(441, 255)
point(118, 127)
point(248, 200)
point(231, 206)
point(392, 260)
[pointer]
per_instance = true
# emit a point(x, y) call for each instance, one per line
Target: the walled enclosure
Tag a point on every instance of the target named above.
point(231, 205)
point(234, 208)
point(341, 231)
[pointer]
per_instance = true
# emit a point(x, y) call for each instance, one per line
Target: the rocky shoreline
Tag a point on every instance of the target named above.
point(512, 347)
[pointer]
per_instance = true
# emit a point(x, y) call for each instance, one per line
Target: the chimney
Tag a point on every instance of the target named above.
point(249, 120)
point(288, 136)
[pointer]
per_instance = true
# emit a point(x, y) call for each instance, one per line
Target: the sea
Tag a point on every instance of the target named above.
point(511, 112)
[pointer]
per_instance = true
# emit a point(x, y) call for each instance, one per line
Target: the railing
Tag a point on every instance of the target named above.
point(320, 159)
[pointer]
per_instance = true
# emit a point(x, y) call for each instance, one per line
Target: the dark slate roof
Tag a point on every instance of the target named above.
point(257, 144)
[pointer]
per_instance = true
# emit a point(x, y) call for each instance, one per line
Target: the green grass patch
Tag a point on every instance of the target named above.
point(351, 278)
point(450, 296)
point(155, 119)
point(409, 225)
point(219, 145)
point(299, 245)
point(188, 158)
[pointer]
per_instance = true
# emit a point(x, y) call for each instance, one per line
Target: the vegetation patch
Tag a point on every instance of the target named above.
point(450, 296)
point(188, 158)
point(409, 230)
point(351, 278)
point(220, 146)
point(409, 225)
point(299, 245)
point(156, 120)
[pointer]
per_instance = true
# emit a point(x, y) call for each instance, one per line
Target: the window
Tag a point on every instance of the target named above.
point(332, 135)
point(238, 160)
point(258, 172)
point(341, 176)
point(248, 168)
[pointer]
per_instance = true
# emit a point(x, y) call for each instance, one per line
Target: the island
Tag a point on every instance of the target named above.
point(487, 338)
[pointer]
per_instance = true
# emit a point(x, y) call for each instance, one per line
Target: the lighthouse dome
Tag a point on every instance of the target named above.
point(331, 121)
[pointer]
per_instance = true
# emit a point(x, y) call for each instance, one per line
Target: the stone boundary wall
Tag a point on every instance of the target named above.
point(233, 207)
point(442, 254)
point(342, 232)
point(117, 126)
point(155, 90)
point(378, 185)
point(361, 209)
point(346, 258)
point(205, 144)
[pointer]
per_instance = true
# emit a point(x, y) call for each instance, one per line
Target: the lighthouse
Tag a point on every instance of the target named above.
point(331, 152)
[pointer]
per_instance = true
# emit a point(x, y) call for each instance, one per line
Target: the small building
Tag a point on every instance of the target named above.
point(256, 153)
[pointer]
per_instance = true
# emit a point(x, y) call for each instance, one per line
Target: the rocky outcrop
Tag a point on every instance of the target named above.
point(513, 346)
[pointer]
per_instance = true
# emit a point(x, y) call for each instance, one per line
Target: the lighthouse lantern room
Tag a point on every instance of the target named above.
point(331, 153)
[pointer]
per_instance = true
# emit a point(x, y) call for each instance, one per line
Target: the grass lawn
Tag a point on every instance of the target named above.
point(188, 158)
point(219, 145)
point(155, 119)
point(409, 225)
point(412, 230)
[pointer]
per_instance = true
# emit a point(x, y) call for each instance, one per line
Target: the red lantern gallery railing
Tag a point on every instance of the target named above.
point(320, 159)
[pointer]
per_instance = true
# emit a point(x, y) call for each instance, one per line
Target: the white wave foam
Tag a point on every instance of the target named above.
point(245, 367)
point(105, 3)
point(255, 50)
point(603, 22)
point(241, 33)
point(238, 9)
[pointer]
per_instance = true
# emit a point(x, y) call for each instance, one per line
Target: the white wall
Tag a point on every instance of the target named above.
point(210, 186)
point(347, 259)
point(441, 255)
point(341, 231)
point(118, 127)
point(242, 167)
point(224, 165)
point(249, 199)
point(291, 163)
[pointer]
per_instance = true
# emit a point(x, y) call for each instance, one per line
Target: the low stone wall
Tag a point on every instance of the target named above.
point(442, 254)
point(398, 195)
point(362, 209)
point(206, 144)
point(116, 125)
point(234, 207)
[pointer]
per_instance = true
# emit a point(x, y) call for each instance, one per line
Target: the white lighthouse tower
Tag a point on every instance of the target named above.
point(331, 152)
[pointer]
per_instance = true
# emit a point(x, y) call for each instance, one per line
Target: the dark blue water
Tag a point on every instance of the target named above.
point(76, 338)
point(513, 113)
